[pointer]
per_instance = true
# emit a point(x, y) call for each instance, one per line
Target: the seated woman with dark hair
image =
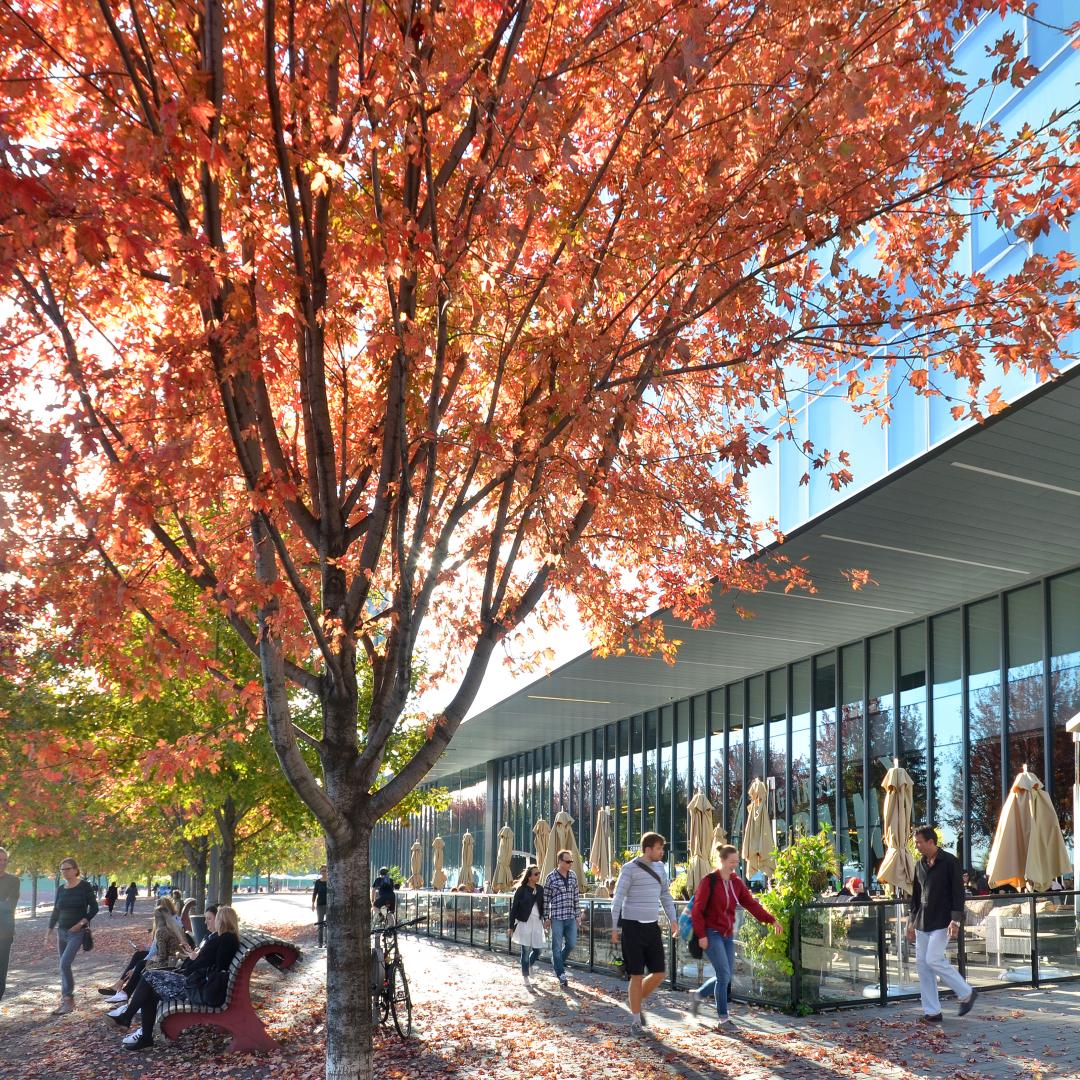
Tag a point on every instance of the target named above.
point(201, 980)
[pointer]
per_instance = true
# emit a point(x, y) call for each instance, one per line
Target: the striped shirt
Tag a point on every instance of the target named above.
point(638, 895)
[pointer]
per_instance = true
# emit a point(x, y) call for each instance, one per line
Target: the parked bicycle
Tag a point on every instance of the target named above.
point(389, 987)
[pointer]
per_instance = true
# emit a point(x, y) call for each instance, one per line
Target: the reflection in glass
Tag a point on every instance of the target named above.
point(680, 791)
point(800, 748)
point(825, 744)
point(1024, 619)
point(734, 767)
point(948, 733)
point(777, 764)
point(717, 783)
point(984, 719)
point(880, 695)
point(851, 828)
point(913, 713)
point(1064, 691)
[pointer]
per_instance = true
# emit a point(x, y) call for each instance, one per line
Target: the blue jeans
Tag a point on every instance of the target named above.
point(528, 958)
point(563, 940)
point(68, 944)
point(721, 954)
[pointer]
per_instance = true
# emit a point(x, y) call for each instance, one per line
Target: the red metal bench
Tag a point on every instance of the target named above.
point(237, 1015)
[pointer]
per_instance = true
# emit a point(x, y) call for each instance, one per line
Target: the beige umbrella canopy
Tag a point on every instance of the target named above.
point(601, 853)
point(541, 835)
point(719, 838)
point(699, 839)
point(416, 866)
point(438, 876)
point(1029, 850)
point(562, 839)
point(503, 880)
point(758, 842)
point(898, 867)
point(465, 876)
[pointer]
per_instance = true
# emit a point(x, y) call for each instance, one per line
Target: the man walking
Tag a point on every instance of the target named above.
point(562, 912)
point(9, 897)
point(937, 912)
point(641, 889)
point(318, 902)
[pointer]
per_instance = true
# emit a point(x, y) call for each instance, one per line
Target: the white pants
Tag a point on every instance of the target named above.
point(932, 965)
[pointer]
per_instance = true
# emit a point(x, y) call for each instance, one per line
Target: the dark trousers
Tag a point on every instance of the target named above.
point(320, 922)
point(129, 905)
point(143, 1000)
point(135, 965)
point(5, 952)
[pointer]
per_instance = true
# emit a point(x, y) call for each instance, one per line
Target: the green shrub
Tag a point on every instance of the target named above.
point(803, 869)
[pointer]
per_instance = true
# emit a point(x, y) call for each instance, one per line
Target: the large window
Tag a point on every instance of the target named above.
point(912, 640)
point(825, 740)
point(649, 772)
point(1026, 688)
point(800, 748)
point(1064, 691)
point(700, 757)
point(665, 776)
point(851, 827)
point(948, 731)
point(777, 757)
point(681, 790)
point(881, 727)
point(717, 780)
point(734, 767)
point(633, 821)
point(984, 720)
point(622, 816)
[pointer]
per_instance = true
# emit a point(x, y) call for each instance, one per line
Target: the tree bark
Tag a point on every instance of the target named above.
point(227, 821)
point(33, 892)
point(197, 853)
point(348, 965)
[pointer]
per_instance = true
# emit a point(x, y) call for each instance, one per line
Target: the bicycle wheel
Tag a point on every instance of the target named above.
point(400, 1002)
point(382, 1000)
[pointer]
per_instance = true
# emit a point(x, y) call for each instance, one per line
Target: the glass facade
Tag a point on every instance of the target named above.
point(962, 700)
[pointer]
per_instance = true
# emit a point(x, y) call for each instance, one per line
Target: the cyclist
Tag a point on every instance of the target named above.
point(383, 898)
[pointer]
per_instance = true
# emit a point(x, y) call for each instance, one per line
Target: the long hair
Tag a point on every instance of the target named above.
point(166, 902)
point(523, 878)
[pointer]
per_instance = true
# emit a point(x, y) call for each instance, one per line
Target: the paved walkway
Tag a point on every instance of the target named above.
point(475, 1020)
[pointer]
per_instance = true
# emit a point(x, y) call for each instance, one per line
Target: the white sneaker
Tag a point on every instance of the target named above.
point(636, 1028)
point(118, 996)
point(695, 1004)
point(117, 1012)
point(526, 980)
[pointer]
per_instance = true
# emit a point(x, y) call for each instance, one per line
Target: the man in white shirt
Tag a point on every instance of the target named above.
point(640, 891)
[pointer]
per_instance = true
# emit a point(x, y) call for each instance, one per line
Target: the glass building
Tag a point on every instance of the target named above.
point(961, 661)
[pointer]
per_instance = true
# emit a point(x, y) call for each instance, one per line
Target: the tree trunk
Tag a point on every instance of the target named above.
point(348, 960)
point(227, 821)
point(33, 892)
point(197, 853)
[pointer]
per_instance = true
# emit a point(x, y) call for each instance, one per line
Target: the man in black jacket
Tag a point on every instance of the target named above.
point(937, 911)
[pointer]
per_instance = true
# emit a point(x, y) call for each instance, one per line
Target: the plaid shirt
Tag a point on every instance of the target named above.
point(561, 896)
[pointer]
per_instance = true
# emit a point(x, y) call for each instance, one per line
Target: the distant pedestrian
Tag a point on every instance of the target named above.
point(75, 905)
point(382, 891)
point(130, 893)
point(639, 893)
point(9, 898)
point(319, 897)
point(562, 912)
point(111, 895)
point(937, 913)
point(527, 918)
point(717, 898)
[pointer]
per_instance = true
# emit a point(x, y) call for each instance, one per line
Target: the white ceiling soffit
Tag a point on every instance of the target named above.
point(987, 510)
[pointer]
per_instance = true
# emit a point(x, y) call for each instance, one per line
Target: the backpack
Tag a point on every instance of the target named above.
point(686, 922)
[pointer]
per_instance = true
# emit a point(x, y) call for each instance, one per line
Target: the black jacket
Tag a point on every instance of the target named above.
point(522, 904)
point(937, 897)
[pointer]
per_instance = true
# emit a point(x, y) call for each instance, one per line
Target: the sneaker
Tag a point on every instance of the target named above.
point(724, 1024)
point(563, 983)
point(66, 1006)
point(695, 1005)
point(106, 990)
point(116, 998)
point(965, 1006)
point(526, 980)
point(927, 1019)
point(118, 1011)
point(637, 1029)
point(136, 1041)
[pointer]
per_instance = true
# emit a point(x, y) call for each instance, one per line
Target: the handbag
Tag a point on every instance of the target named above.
point(87, 940)
point(692, 945)
point(211, 991)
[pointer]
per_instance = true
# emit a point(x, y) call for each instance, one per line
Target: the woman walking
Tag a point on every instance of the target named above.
point(716, 899)
point(130, 893)
point(202, 980)
point(111, 894)
point(75, 905)
point(527, 918)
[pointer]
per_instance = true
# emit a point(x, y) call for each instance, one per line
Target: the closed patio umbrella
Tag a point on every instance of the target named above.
point(1029, 850)
point(719, 838)
point(416, 866)
point(541, 834)
point(601, 854)
point(898, 867)
point(757, 842)
point(438, 876)
point(465, 876)
point(503, 880)
point(562, 839)
point(699, 835)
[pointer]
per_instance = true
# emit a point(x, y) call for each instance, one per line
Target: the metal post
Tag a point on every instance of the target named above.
point(1033, 917)
point(795, 955)
point(883, 969)
point(592, 934)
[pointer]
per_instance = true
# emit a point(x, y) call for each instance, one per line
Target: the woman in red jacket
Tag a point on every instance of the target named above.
point(716, 900)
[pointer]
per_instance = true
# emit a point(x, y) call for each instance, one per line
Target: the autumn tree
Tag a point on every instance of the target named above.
point(389, 326)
